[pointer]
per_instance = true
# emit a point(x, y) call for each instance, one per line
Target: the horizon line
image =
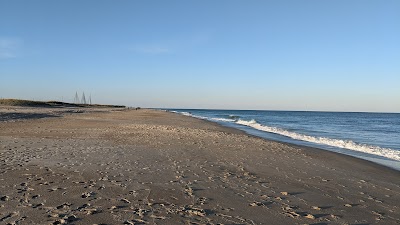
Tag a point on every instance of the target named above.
point(276, 110)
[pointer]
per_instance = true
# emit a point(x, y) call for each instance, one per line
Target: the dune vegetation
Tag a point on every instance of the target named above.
point(21, 102)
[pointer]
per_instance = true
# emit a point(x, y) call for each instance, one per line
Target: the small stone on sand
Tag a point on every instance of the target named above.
point(310, 216)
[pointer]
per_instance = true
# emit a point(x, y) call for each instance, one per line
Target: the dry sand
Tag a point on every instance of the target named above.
point(107, 166)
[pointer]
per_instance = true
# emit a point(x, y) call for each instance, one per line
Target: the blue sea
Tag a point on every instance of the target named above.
point(370, 136)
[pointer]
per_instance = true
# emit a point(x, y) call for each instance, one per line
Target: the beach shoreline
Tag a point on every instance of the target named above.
point(307, 129)
point(155, 167)
point(310, 149)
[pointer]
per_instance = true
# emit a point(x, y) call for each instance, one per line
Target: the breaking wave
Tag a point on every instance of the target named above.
point(223, 119)
point(347, 144)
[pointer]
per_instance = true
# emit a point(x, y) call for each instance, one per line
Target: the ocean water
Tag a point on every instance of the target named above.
point(370, 136)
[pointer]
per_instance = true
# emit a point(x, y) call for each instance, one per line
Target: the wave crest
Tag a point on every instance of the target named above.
point(223, 119)
point(347, 144)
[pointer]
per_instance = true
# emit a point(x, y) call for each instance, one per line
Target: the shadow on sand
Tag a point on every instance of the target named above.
point(17, 116)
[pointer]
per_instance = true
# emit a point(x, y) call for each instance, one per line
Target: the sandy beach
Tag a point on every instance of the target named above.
point(118, 166)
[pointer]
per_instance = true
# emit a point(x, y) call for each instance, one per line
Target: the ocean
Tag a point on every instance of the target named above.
point(371, 136)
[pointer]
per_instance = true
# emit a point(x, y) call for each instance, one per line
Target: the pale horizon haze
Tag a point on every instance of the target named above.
point(270, 55)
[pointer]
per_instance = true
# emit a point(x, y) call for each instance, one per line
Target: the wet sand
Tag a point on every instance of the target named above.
point(112, 166)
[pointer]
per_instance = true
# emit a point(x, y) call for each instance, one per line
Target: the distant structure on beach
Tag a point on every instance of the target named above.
point(76, 99)
point(83, 99)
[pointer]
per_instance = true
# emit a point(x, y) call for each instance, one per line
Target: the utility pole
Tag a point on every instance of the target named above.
point(83, 100)
point(76, 99)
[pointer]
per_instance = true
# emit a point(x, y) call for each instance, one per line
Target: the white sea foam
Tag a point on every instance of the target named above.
point(191, 115)
point(347, 144)
point(200, 117)
point(223, 119)
point(186, 113)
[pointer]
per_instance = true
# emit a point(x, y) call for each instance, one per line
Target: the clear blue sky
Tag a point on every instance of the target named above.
point(290, 55)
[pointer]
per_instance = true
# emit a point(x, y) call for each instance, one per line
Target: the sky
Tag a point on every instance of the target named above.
point(341, 55)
